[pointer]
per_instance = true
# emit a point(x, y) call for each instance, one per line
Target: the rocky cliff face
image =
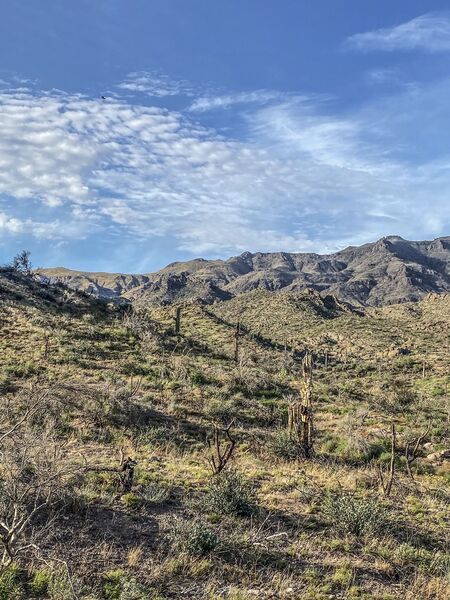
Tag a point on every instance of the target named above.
point(388, 271)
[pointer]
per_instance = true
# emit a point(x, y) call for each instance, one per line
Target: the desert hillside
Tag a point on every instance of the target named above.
point(115, 428)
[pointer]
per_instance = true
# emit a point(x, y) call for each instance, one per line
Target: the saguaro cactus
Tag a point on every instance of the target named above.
point(300, 413)
point(387, 484)
point(237, 336)
point(178, 320)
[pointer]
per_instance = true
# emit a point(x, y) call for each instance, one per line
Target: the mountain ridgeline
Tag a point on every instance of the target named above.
point(391, 270)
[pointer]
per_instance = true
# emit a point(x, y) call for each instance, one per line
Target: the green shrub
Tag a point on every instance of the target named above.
point(133, 590)
point(348, 513)
point(221, 409)
point(308, 489)
point(343, 576)
point(10, 587)
point(131, 500)
point(438, 390)
point(6, 384)
point(134, 368)
point(156, 493)
point(229, 493)
point(433, 563)
point(156, 436)
point(113, 586)
point(118, 587)
point(400, 396)
point(63, 587)
point(403, 395)
point(40, 583)
point(355, 448)
point(192, 537)
point(284, 446)
point(23, 370)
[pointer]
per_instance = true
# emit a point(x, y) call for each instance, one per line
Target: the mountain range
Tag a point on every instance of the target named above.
point(391, 270)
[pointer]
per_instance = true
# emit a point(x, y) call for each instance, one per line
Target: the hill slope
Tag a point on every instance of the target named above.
point(95, 382)
point(389, 271)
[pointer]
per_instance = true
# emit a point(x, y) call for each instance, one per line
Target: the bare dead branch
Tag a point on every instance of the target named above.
point(411, 451)
point(220, 455)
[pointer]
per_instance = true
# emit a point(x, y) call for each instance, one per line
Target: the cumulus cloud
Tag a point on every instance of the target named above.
point(10, 224)
point(429, 32)
point(55, 230)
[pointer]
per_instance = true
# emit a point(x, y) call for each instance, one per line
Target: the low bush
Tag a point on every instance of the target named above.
point(133, 590)
point(221, 409)
point(156, 493)
point(434, 563)
point(192, 537)
point(23, 370)
point(40, 582)
point(63, 587)
point(229, 493)
point(10, 587)
point(156, 436)
point(113, 585)
point(348, 513)
point(198, 378)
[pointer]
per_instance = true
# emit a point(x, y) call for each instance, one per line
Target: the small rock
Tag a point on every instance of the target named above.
point(438, 456)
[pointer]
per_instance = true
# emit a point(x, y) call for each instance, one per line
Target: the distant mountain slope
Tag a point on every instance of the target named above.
point(388, 271)
point(102, 285)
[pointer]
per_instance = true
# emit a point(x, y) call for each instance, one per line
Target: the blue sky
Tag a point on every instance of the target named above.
point(227, 126)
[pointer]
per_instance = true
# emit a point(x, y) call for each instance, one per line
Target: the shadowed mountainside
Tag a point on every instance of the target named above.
point(391, 270)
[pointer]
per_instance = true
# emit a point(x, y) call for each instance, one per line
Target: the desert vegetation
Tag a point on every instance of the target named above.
point(268, 446)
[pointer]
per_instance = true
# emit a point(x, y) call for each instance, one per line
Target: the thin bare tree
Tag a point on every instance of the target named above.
point(412, 450)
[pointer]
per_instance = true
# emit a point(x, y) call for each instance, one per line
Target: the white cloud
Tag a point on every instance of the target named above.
point(384, 77)
point(298, 180)
point(48, 230)
point(156, 85)
point(429, 32)
point(9, 224)
point(220, 102)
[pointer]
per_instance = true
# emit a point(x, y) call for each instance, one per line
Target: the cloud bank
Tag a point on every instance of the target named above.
point(298, 177)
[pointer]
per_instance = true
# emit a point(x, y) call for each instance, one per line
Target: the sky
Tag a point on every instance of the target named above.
point(135, 133)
